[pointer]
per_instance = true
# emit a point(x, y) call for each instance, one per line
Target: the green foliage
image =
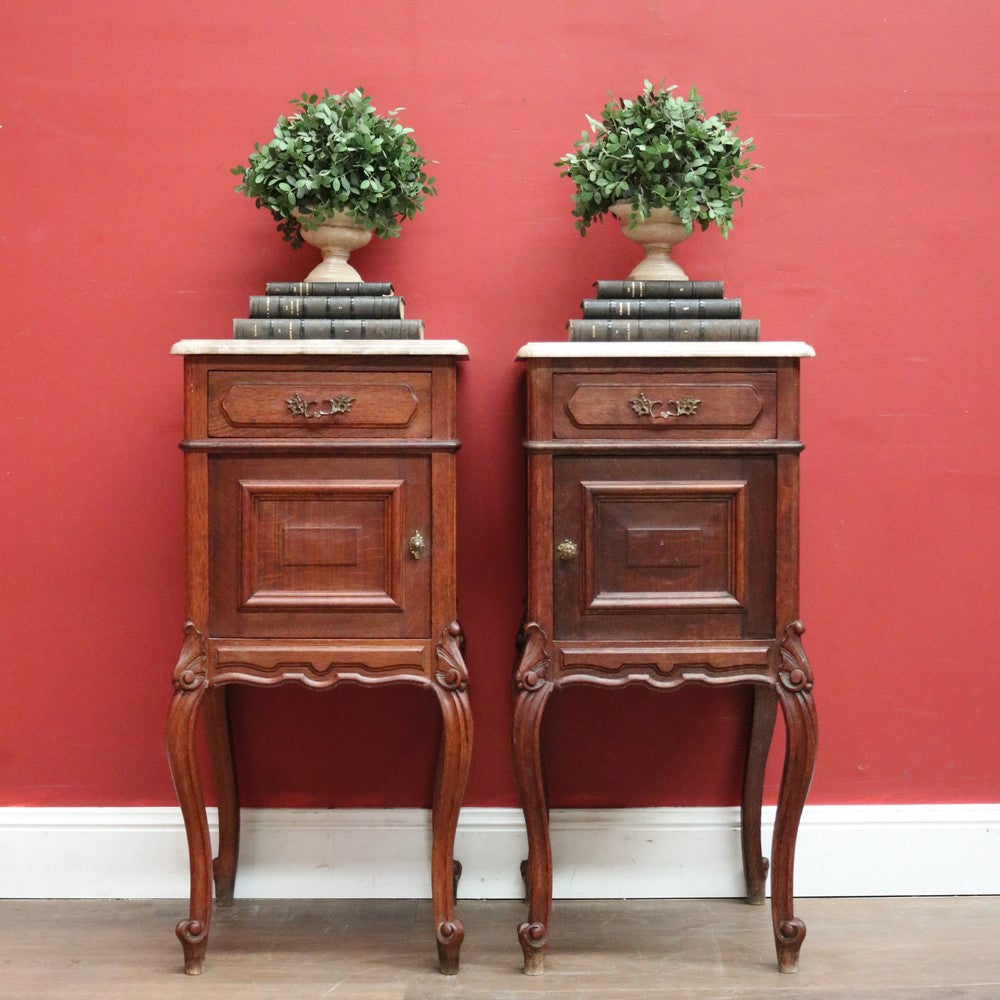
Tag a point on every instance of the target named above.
point(659, 151)
point(337, 154)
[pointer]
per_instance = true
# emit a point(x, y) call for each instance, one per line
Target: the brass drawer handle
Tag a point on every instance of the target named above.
point(300, 407)
point(642, 406)
point(567, 550)
point(418, 547)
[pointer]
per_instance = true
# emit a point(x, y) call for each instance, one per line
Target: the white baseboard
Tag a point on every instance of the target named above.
point(876, 850)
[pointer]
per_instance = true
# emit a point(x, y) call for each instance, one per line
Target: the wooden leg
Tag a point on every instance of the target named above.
point(216, 712)
point(533, 691)
point(190, 684)
point(453, 770)
point(755, 865)
point(795, 696)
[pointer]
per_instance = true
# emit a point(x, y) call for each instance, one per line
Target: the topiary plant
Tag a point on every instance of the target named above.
point(659, 151)
point(337, 154)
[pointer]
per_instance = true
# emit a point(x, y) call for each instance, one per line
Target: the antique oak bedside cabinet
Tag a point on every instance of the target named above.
point(663, 548)
point(321, 550)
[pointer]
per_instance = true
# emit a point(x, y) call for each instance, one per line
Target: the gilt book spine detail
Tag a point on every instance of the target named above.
point(326, 307)
point(661, 308)
point(663, 329)
point(328, 288)
point(659, 289)
point(318, 329)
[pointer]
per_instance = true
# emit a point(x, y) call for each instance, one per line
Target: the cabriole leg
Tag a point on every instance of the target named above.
point(755, 865)
point(452, 682)
point(216, 712)
point(795, 696)
point(190, 684)
point(533, 690)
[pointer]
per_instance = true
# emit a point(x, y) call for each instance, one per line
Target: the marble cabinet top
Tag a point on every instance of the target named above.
point(666, 349)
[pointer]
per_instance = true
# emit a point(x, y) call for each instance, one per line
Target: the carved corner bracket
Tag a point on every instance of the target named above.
point(451, 672)
point(795, 674)
point(189, 674)
point(533, 668)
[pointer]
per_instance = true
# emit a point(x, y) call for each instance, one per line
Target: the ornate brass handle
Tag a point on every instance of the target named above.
point(418, 547)
point(300, 407)
point(642, 406)
point(567, 550)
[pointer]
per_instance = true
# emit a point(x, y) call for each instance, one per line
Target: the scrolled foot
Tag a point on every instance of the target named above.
point(193, 935)
point(788, 938)
point(450, 935)
point(534, 939)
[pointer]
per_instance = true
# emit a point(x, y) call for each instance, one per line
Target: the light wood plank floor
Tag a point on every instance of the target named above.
point(856, 949)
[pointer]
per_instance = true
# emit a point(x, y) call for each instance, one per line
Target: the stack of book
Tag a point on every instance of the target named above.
point(662, 310)
point(314, 310)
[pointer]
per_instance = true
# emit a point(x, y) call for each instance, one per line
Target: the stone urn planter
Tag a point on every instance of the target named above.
point(336, 238)
point(657, 235)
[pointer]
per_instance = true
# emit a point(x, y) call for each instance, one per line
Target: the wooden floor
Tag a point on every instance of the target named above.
point(856, 949)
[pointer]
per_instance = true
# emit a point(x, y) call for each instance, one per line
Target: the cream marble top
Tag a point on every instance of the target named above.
point(666, 349)
point(382, 348)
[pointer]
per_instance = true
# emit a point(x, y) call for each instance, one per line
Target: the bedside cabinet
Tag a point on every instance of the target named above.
point(663, 549)
point(321, 551)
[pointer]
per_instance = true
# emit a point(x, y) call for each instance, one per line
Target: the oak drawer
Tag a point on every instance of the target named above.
point(319, 404)
point(633, 404)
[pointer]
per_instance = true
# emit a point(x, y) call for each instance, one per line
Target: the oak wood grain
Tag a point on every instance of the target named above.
point(321, 551)
point(663, 550)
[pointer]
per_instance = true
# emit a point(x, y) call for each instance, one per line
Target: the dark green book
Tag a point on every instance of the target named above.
point(661, 308)
point(328, 288)
point(663, 329)
point(659, 289)
point(318, 329)
point(326, 307)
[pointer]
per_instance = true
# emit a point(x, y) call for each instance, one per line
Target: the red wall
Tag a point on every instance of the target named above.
point(871, 234)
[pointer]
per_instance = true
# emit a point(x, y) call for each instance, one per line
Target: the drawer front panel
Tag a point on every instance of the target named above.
point(664, 548)
point(711, 405)
point(320, 546)
point(319, 404)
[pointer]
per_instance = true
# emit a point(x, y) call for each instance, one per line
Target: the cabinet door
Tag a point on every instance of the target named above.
point(650, 548)
point(320, 547)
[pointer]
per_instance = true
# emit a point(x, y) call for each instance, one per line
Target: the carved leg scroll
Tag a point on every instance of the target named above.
point(795, 696)
point(755, 865)
point(453, 769)
point(533, 690)
point(190, 684)
point(216, 711)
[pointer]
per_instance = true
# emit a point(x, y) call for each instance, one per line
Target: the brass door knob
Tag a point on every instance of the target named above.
point(567, 550)
point(418, 547)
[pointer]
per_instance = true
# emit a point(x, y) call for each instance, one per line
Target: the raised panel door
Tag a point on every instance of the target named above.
point(320, 546)
point(663, 547)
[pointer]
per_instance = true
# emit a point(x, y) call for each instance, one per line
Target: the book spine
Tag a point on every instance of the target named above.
point(326, 307)
point(663, 329)
point(661, 308)
point(328, 288)
point(318, 329)
point(659, 289)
